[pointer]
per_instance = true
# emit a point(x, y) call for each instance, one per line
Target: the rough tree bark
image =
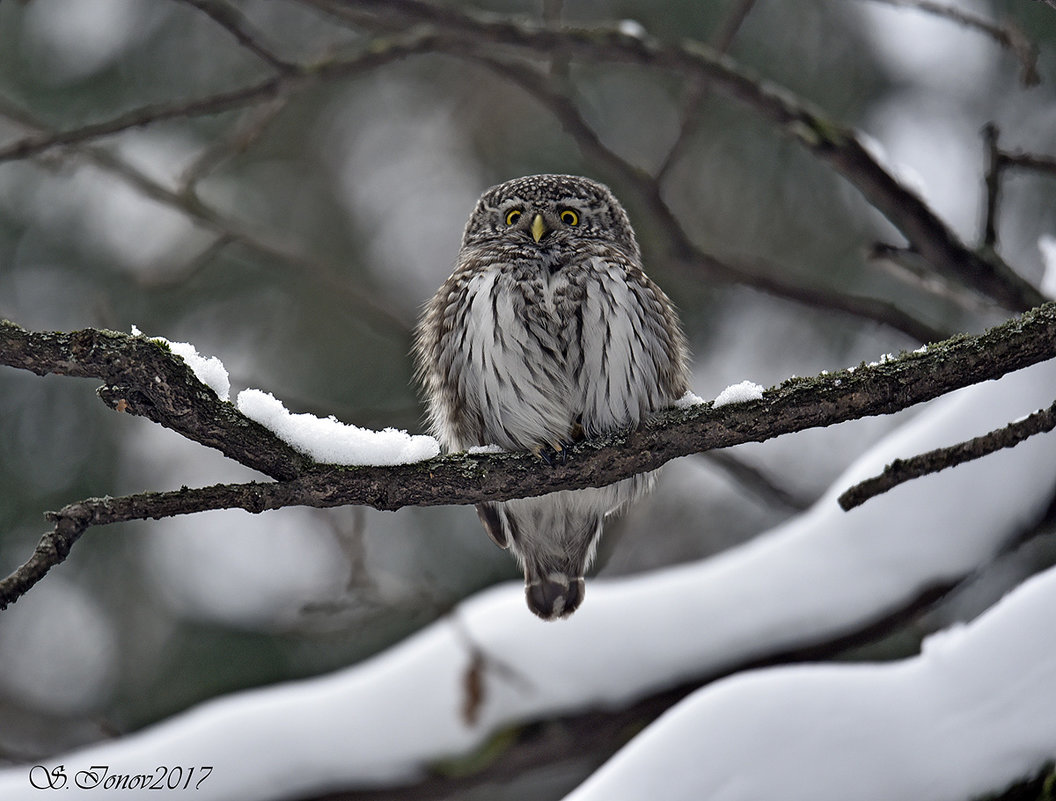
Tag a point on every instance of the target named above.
point(143, 377)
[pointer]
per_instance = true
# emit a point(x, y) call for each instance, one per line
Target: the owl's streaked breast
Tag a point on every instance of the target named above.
point(514, 347)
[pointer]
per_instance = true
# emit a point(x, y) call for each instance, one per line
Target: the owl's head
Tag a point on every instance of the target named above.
point(549, 211)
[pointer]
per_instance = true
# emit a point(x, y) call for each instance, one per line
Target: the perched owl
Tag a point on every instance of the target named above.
point(548, 330)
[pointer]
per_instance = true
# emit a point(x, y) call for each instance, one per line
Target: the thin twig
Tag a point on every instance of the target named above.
point(148, 115)
point(244, 134)
point(993, 184)
point(559, 64)
point(997, 161)
point(1029, 161)
point(907, 266)
point(1007, 35)
point(902, 470)
point(234, 22)
point(774, 280)
point(758, 482)
point(700, 88)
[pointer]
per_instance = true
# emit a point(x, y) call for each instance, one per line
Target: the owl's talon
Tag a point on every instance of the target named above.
point(542, 453)
point(547, 453)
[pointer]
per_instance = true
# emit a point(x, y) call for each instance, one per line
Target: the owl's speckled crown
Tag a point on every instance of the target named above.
point(548, 187)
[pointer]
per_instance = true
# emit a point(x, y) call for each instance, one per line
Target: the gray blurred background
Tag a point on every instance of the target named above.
point(297, 238)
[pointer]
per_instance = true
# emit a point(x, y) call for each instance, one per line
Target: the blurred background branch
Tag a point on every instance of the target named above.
point(1006, 34)
point(461, 33)
point(228, 231)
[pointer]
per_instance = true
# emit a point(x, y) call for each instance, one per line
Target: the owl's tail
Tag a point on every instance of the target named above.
point(553, 537)
point(555, 595)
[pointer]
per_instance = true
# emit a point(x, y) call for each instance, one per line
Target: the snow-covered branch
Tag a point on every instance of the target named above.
point(144, 377)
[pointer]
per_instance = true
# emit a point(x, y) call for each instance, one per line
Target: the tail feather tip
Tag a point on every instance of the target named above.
point(554, 596)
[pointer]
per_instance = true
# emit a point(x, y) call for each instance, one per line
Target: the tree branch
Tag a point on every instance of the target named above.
point(1006, 159)
point(699, 91)
point(683, 253)
point(997, 161)
point(757, 482)
point(902, 470)
point(460, 33)
point(237, 141)
point(1030, 161)
point(235, 23)
point(143, 377)
point(992, 182)
point(374, 53)
point(146, 115)
point(907, 266)
point(448, 30)
point(1008, 36)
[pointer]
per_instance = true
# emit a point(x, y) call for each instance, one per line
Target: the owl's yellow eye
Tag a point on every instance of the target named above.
point(569, 217)
point(513, 216)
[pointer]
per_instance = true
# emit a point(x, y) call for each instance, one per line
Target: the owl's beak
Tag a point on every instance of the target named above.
point(538, 227)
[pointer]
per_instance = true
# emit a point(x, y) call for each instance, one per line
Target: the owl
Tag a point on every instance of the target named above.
point(548, 331)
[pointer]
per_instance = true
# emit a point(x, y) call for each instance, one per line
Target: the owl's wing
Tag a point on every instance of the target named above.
point(438, 344)
point(670, 353)
point(634, 354)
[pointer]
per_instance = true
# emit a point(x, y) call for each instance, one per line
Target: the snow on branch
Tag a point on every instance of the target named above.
point(143, 377)
point(885, 725)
